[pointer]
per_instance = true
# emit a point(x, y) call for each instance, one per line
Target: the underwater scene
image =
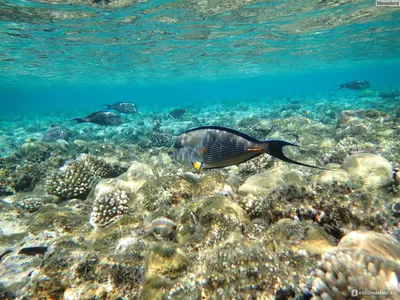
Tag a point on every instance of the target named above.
point(199, 149)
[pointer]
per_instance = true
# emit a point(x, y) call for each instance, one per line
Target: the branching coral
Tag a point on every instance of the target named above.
point(362, 261)
point(30, 204)
point(160, 139)
point(75, 179)
point(109, 206)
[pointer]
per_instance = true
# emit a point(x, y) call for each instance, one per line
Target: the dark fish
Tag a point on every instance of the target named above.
point(389, 94)
point(355, 85)
point(33, 250)
point(56, 133)
point(178, 112)
point(212, 147)
point(107, 118)
point(123, 107)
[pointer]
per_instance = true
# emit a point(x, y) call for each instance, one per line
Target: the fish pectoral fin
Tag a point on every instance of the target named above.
point(254, 149)
point(202, 150)
point(197, 165)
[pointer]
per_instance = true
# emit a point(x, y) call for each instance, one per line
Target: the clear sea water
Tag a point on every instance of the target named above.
point(77, 55)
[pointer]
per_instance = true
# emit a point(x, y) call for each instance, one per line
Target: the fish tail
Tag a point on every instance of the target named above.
point(80, 120)
point(275, 149)
point(340, 86)
point(108, 106)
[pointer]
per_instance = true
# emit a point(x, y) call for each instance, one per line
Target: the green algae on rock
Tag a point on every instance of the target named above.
point(213, 184)
point(289, 235)
point(238, 270)
point(334, 174)
point(263, 183)
point(370, 170)
point(131, 181)
point(164, 263)
point(35, 151)
point(211, 219)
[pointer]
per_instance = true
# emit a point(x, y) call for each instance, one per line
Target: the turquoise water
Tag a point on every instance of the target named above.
point(267, 88)
point(73, 55)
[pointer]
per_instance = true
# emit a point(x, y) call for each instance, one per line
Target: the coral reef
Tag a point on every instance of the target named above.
point(24, 177)
point(264, 229)
point(108, 206)
point(256, 165)
point(35, 151)
point(75, 179)
point(5, 190)
point(211, 219)
point(236, 270)
point(363, 261)
point(30, 204)
point(161, 139)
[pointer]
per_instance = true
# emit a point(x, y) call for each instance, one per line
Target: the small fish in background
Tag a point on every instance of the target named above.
point(123, 107)
point(55, 133)
point(355, 85)
point(178, 113)
point(106, 118)
point(389, 94)
point(156, 124)
point(212, 147)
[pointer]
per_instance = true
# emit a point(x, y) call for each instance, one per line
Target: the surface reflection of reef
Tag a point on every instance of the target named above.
point(144, 40)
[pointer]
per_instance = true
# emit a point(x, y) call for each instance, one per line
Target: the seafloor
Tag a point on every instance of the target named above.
point(94, 212)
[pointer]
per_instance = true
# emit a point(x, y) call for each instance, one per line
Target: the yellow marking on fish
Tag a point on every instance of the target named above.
point(202, 150)
point(197, 165)
point(254, 149)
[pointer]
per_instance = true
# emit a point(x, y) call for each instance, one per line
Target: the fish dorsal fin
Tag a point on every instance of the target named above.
point(97, 112)
point(233, 131)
